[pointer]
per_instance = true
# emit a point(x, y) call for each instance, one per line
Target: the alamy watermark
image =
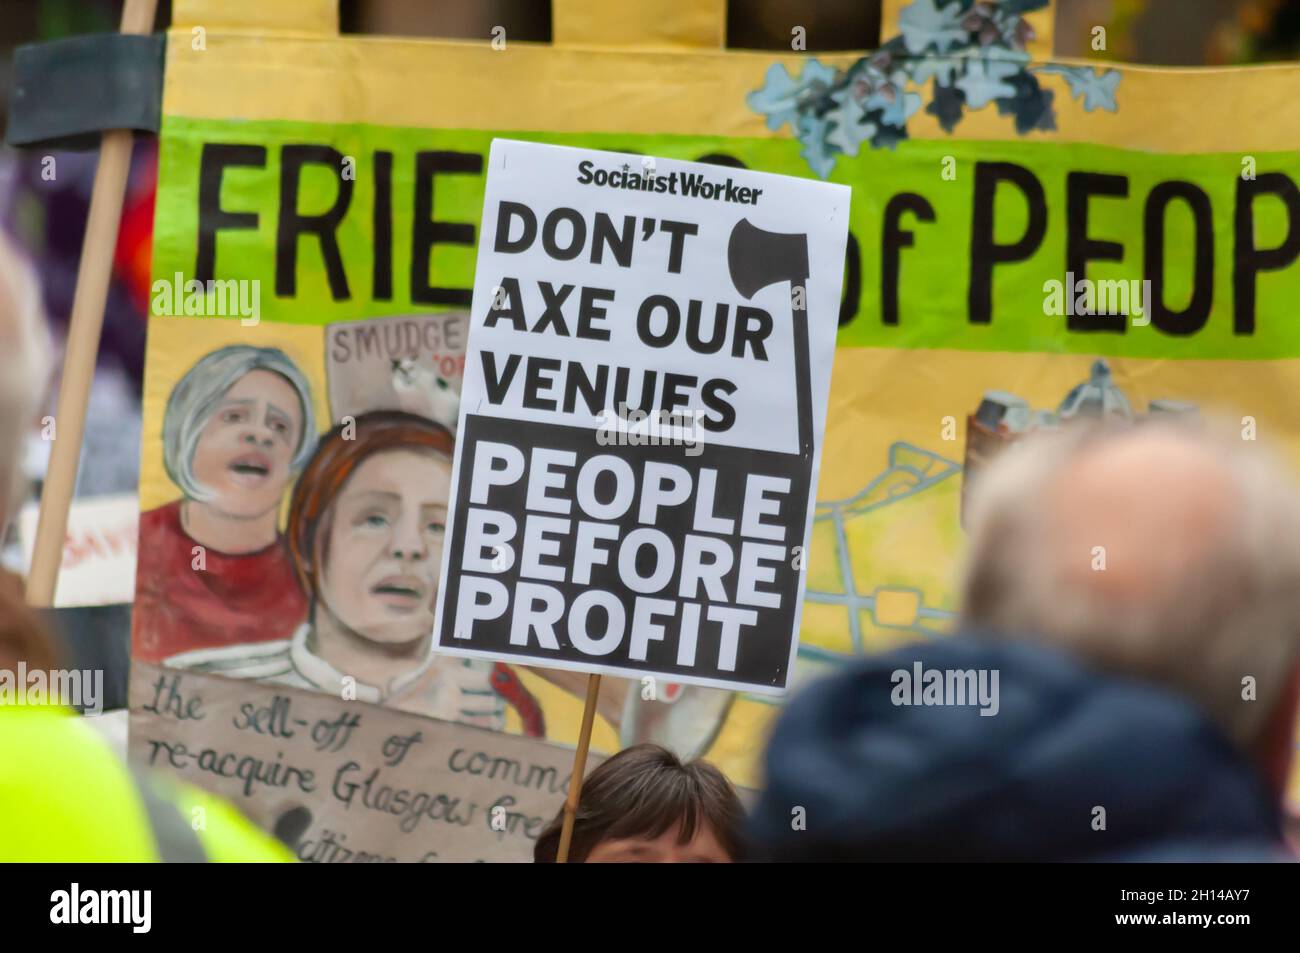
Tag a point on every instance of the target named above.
point(637, 428)
point(1127, 297)
point(133, 908)
point(946, 686)
point(75, 688)
point(232, 298)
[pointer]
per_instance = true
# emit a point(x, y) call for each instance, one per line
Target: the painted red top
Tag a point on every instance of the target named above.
point(254, 597)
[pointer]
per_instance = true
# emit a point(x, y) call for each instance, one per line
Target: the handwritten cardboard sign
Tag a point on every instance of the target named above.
point(345, 781)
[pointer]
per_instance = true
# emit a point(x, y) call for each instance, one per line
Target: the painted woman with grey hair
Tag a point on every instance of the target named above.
point(213, 567)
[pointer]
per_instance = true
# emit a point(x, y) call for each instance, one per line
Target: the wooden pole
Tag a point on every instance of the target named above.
point(84, 331)
point(579, 769)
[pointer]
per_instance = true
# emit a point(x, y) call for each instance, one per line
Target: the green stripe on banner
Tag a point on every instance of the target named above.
point(1240, 214)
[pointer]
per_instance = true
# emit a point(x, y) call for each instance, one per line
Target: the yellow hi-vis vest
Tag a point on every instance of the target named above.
point(65, 796)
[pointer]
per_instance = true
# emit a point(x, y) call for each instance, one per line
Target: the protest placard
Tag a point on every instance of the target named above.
point(644, 397)
point(344, 781)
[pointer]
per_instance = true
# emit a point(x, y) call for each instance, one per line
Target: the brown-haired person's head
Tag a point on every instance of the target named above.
point(366, 524)
point(644, 805)
point(23, 636)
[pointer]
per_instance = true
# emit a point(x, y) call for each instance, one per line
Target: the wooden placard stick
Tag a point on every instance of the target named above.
point(84, 330)
point(579, 769)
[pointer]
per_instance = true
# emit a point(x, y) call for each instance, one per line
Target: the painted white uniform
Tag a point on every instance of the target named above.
point(453, 689)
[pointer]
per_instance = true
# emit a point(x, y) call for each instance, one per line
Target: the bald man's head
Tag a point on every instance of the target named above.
point(1158, 552)
point(1156, 504)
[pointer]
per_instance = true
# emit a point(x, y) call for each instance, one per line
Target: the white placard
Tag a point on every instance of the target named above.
point(642, 415)
point(98, 552)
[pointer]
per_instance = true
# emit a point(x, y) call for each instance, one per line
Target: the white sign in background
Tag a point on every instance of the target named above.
point(99, 553)
point(683, 283)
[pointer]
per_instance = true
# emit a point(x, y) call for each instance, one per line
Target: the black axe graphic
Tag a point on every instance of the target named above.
point(758, 258)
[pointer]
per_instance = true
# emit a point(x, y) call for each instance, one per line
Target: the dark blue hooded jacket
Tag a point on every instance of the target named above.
point(881, 781)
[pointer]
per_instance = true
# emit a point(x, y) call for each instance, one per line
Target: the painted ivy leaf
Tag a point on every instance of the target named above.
point(849, 125)
point(986, 80)
point(1031, 105)
point(947, 106)
point(1022, 6)
point(942, 68)
point(781, 95)
point(894, 47)
point(876, 69)
point(848, 137)
point(895, 107)
point(1046, 121)
point(818, 153)
point(888, 137)
point(924, 23)
point(1097, 87)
